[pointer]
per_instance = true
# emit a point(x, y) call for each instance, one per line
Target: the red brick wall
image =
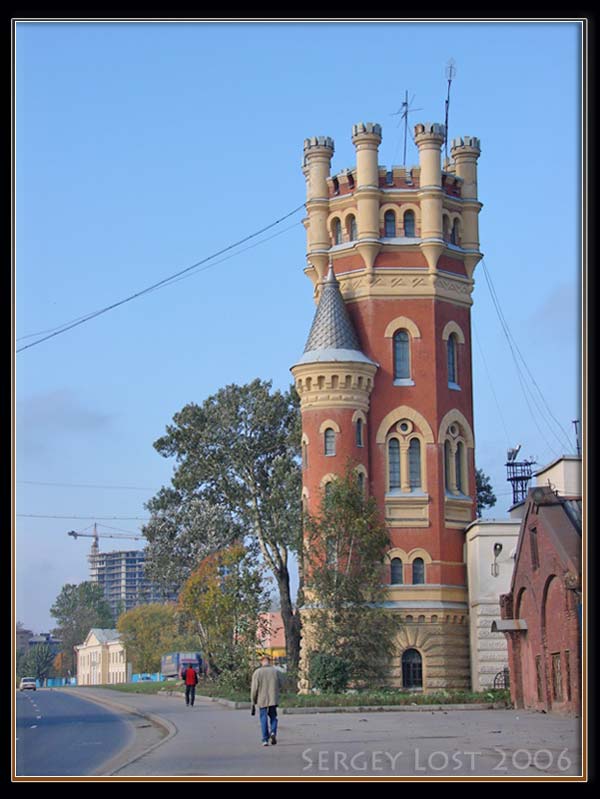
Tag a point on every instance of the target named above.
point(550, 610)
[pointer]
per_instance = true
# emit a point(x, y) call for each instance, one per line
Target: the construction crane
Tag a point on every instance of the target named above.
point(96, 535)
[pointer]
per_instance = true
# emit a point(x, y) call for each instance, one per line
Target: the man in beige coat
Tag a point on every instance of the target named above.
point(264, 694)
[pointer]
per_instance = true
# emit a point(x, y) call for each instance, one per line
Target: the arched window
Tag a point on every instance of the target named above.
point(394, 463)
point(396, 572)
point(454, 237)
point(389, 225)
point(418, 570)
point(409, 224)
point(304, 455)
point(447, 460)
point(361, 482)
point(359, 432)
point(460, 483)
point(452, 371)
point(329, 439)
point(401, 355)
point(414, 463)
point(446, 228)
point(412, 669)
point(330, 552)
point(352, 230)
point(337, 231)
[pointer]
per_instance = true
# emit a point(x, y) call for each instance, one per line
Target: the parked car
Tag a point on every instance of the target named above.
point(27, 684)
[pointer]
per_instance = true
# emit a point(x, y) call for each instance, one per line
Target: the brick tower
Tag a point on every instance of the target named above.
point(385, 378)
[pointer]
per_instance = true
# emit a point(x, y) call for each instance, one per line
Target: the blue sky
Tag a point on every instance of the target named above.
point(143, 147)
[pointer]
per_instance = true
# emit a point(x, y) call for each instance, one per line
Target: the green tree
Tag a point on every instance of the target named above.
point(345, 592)
point(237, 472)
point(485, 493)
point(77, 609)
point(150, 631)
point(223, 598)
point(39, 662)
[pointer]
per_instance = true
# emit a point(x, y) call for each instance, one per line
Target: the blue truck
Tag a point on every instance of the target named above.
point(173, 663)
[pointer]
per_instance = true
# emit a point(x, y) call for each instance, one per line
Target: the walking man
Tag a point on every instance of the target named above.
point(264, 694)
point(190, 678)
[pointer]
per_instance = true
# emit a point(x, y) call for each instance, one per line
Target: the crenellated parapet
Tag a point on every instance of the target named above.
point(347, 210)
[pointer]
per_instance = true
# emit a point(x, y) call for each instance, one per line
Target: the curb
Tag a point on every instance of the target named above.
point(290, 711)
point(115, 763)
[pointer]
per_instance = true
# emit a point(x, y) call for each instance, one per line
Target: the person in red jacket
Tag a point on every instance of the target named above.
point(190, 677)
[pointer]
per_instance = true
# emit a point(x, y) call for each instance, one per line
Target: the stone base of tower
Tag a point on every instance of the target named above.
point(441, 641)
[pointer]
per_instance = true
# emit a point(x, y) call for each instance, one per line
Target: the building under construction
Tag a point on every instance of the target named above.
point(121, 575)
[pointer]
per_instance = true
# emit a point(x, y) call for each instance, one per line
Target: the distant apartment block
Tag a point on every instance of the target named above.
point(121, 575)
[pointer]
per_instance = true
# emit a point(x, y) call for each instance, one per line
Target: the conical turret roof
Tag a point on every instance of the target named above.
point(332, 336)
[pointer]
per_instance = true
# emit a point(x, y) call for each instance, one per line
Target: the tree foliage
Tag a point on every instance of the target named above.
point(223, 599)
point(38, 662)
point(150, 631)
point(237, 476)
point(77, 609)
point(345, 544)
point(485, 493)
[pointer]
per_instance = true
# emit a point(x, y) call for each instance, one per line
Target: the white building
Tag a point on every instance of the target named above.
point(101, 659)
point(490, 560)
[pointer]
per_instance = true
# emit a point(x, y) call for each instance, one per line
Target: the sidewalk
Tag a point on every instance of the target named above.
point(213, 740)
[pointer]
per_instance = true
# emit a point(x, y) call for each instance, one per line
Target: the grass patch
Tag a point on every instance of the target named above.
point(146, 687)
point(388, 696)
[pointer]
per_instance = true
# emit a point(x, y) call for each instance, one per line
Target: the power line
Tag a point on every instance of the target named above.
point(525, 387)
point(489, 377)
point(160, 283)
point(86, 518)
point(529, 372)
point(85, 485)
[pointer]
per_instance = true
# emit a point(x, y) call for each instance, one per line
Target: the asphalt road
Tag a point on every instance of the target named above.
point(59, 734)
point(213, 740)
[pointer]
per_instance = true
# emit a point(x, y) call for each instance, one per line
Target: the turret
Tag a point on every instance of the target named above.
point(429, 138)
point(465, 152)
point(366, 137)
point(318, 152)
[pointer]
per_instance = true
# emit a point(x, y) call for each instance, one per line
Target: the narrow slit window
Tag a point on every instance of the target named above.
point(414, 463)
point(389, 224)
point(401, 355)
point(418, 571)
point(352, 229)
point(329, 438)
point(359, 432)
point(460, 483)
point(394, 464)
point(396, 572)
point(452, 375)
point(337, 231)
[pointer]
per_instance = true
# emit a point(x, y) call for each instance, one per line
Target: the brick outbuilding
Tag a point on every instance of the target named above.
point(541, 615)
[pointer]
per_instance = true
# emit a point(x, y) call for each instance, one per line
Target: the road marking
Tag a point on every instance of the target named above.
point(38, 717)
point(33, 726)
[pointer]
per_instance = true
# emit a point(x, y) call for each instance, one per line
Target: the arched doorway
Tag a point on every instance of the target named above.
point(412, 669)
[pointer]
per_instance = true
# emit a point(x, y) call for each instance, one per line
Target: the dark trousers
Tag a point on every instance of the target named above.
point(190, 694)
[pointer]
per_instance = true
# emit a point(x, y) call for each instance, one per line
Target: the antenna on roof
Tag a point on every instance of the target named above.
point(404, 111)
point(450, 74)
point(576, 426)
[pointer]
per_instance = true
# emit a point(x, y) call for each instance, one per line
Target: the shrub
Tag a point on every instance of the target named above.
point(329, 673)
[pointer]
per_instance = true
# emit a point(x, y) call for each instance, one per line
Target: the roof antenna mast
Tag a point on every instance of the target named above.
point(450, 74)
point(403, 112)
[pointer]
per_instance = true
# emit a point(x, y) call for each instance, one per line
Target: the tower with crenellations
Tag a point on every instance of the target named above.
point(385, 377)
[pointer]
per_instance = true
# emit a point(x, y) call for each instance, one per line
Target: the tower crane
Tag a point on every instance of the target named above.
point(96, 535)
